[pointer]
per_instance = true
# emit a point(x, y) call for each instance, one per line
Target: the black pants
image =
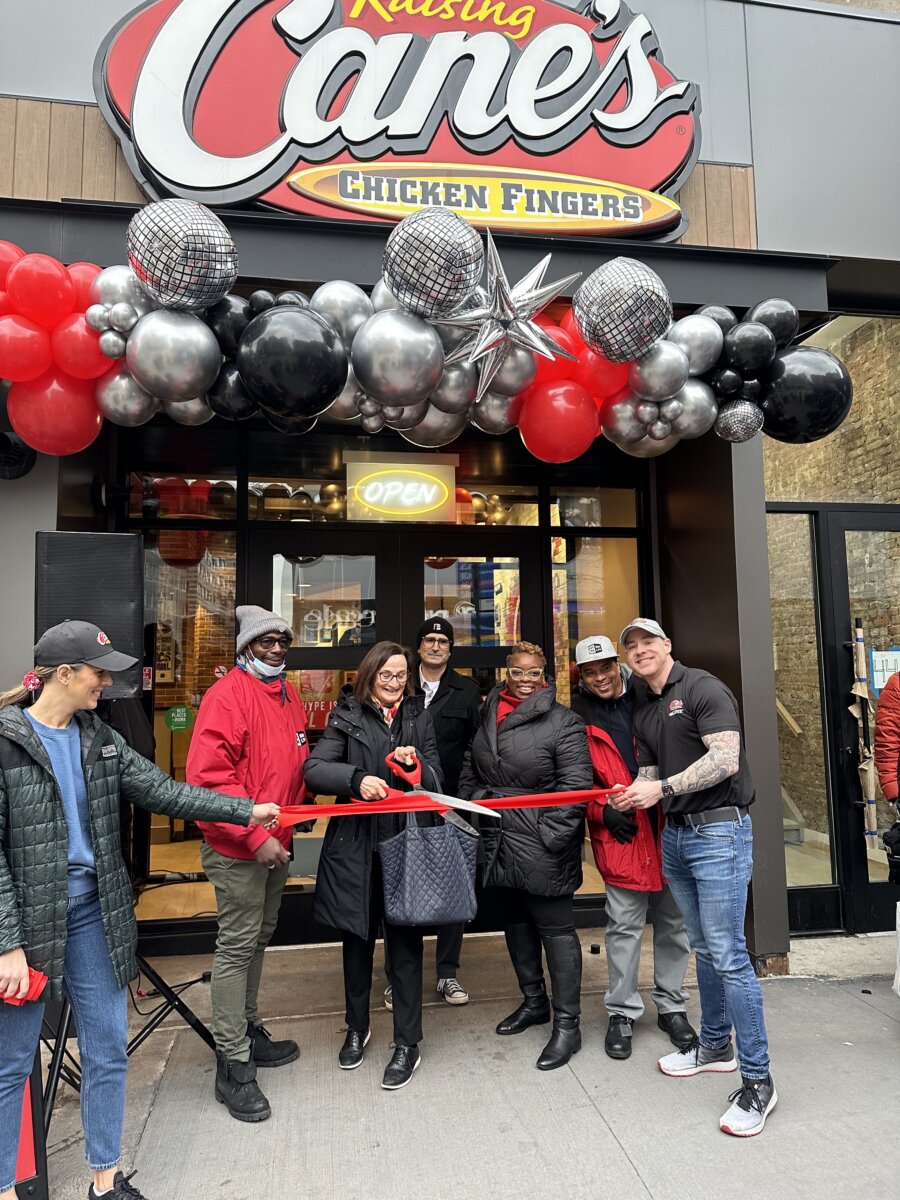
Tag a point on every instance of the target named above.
point(403, 945)
point(551, 916)
point(447, 952)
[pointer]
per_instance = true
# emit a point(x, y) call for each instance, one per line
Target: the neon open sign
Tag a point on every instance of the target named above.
point(393, 491)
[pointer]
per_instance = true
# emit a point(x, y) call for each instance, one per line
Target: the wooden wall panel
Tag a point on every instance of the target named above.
point(692, 198)
point(32, 152)
point(720, 202)
point(719, 213)
point(127, 189)
point(98, 179)
point(7, 144)
point(66, 151)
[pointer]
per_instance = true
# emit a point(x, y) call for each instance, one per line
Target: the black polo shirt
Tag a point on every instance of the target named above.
point(669, 729)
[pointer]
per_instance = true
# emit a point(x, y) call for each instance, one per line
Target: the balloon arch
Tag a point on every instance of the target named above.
point(444, 341)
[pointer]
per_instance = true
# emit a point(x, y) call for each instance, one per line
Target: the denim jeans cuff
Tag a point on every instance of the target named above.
point(103, 1166)
point(9, 1187)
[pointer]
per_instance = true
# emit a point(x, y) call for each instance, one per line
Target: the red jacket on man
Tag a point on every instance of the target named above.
point(887, 736)
point(249, 740)
point(635, 865)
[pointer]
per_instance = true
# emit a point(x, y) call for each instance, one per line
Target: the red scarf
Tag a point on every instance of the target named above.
point(507, 703)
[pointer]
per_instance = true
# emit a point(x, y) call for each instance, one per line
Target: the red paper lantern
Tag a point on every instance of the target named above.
point(55, 413)
point(76, 348)
point(83, 275)
point(552, 370)
point(25, 349)
point(40, 288)
point(558, 421)
point(9, 254)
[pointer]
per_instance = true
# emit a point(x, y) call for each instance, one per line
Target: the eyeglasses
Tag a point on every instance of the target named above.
point(269, 643)
point(518, 673)
point(390, 677)
point(439, 643)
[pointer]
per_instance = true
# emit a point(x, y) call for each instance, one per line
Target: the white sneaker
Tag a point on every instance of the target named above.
point(389, 998)
point(750, 1105)
point(697, 1059)
point(452, 991)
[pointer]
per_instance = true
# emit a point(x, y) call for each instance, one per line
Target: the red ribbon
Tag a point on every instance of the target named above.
point(402, 802)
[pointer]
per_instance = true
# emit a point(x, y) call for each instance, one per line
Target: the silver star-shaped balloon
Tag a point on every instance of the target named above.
point(505, 321)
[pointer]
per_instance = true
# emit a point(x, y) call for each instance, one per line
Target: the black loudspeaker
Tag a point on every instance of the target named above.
point(96, 577)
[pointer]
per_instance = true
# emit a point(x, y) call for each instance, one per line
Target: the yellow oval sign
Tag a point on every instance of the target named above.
point(499, 197)
point(401, 492)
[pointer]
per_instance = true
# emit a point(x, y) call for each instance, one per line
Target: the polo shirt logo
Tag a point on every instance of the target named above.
point(301, 738)
point(676, 708)
point(109, 752)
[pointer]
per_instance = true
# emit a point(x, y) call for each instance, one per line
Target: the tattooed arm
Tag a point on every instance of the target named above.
point(637, 795)
point(722, 759)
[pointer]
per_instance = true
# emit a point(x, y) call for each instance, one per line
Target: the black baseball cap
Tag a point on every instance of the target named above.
point(79, 642)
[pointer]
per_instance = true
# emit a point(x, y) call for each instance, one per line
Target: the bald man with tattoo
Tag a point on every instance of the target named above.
point(691, 760)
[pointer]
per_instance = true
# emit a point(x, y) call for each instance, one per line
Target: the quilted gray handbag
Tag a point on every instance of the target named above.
point(429, 873)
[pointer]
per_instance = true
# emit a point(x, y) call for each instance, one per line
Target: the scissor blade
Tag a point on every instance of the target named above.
point(464, 805)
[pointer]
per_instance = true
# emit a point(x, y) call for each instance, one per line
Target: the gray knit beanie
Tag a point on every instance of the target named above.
point(254, 622)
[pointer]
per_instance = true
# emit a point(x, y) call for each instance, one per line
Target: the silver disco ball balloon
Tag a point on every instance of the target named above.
point(122, 400)
point(433, 260)
point(739, 421)
point(182, 254)
point(622, 309)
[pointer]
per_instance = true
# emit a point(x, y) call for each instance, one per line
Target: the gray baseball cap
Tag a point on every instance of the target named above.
point(647, 625)
point(79, 642)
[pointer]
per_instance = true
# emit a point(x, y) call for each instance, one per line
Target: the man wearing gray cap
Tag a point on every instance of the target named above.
point(250, 733)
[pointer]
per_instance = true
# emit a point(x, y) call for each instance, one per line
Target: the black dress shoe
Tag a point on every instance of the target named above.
point(618, 1036)
point(679, 1029)
point(399, 1070)
point(565, 1040)
point(237, 1089)
point(266, 1052)
point(351, 1054)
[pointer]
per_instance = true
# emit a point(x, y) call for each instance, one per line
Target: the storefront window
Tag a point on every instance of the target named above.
point(329, 599)
point(588, 507)
point(152, 497)
point(478, 596)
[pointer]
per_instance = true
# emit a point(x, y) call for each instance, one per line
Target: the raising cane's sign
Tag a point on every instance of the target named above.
point(547, 116)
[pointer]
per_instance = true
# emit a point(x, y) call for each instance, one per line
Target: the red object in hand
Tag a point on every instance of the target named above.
point(412, 774)
point(37, 981)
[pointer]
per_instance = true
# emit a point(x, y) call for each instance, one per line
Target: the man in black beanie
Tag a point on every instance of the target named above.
point(454, 702)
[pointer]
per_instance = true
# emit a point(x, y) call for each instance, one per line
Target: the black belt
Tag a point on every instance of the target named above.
point(732, 813)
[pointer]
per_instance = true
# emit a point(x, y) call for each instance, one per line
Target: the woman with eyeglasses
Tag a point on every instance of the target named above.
point(375, 716)
point(528, 743)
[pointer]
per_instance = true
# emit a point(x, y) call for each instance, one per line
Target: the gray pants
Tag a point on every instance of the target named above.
point(627, 914)
point(248, 896)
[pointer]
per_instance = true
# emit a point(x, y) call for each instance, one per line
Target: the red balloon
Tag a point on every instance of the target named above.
point(551, 370)
point(568, 324)
point(55, 414)
point(40, 288)
point(545, 321)
point(558, 421)
point(598, 374)
point(9, 254)
point(83, 275)
point(5, 304)
point(25, 350)
point(76, 348)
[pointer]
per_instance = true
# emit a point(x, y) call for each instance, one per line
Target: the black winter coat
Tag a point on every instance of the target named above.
point(356, 742)
point(540, 747)
point(455, 712)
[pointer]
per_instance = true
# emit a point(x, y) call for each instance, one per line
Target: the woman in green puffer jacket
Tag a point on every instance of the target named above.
point(65, 894)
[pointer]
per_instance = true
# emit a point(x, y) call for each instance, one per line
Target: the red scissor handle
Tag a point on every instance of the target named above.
point(412, 774)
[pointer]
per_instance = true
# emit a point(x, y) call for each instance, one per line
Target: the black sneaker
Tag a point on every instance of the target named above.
point(351, 1053)
point(680, 1031)
point(266, 1052)
point(618, 1036)
point(121, 1189)
point(399, 1070)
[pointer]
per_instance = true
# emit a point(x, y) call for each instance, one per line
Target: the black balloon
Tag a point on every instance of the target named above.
point(292, 361)
point(260, 301)
point(726, 381)
point(228, 398)
point(806, 395)
point(289, 422)
point(228, 319)
point(722, 316)
point(751, 390)
point(295, 298)
point(778, 315)
point(749, 347)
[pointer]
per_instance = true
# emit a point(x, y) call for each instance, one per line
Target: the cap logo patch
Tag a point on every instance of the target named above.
point(676, 708)
point(102, 638)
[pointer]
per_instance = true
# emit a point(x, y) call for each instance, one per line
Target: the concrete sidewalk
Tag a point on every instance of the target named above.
point(480, 1121)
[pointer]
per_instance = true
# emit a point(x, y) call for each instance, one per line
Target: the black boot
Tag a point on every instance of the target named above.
point(266, 1052)
point(524, 947)
point(564, 964)
point(237, 1089)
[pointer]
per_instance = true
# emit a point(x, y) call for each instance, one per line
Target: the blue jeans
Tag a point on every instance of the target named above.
point(709, 869)
point(100, 1009)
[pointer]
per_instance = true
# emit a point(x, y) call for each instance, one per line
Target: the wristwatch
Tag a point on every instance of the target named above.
point(667, 790)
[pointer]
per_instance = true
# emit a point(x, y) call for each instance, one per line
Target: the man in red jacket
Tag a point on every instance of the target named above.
point(628, 855)
point(887, 737)
point(250, 739)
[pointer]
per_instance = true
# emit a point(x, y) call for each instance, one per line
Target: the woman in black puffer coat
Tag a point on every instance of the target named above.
point(375, 716)
point(528, 743)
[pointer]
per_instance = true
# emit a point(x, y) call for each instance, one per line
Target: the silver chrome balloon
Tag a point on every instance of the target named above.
point(436, 428)
point(345, 407)
point(112, 344)
point(433, 259)
point(405, 418)
point(122, 400)
point(739, 421)
point(373, 423)
point(660, 373)
point(517, 372)
point(344, 306)
point(456, 391)
point(622, 309)
point(659, 430)
point(382, 297)
point(649, 448)
point(366, 406)
point(701, 339)
point(698, 409)
point(621, 423)
point(494, 413)
point(647, 412)
point(173, 355)
point(123, 317)
point(670, 409)
point(120, 285)
point(397, 358)
point(189, 412)
point(97, 317)
point(182, 254)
